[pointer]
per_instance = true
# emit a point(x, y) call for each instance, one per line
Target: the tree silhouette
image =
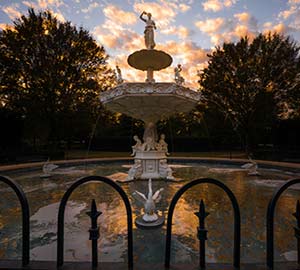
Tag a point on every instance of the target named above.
point(253, 83)
point(52, 73)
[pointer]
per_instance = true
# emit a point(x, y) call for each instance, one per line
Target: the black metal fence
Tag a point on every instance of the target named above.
point(94, 230)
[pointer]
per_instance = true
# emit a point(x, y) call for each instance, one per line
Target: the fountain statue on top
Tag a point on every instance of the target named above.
point(150, 101)
point(149, 30)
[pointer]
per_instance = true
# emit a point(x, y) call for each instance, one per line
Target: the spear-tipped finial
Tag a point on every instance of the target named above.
point(94, 213)
point(202, 214)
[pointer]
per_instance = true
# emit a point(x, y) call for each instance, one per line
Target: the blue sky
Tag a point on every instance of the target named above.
point(188, 30)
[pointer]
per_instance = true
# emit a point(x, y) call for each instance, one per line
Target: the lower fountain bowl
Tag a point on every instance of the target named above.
point(140, 223)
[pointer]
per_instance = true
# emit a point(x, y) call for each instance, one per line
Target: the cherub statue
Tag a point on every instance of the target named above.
point(164, 170)
point(149, 30)
point(162, 145)
point(149, 144)
point(178, 78)
point(135, 171)
point(137, 146)
point(119, 75)
point(149, 202)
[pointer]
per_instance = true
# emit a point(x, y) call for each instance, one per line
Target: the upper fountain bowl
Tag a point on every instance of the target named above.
point(150, 101)
point(149, 60)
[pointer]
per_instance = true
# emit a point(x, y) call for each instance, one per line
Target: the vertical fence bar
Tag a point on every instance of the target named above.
point(94, 232)
point(25, 217)
point(270, 220)
point(202, 233)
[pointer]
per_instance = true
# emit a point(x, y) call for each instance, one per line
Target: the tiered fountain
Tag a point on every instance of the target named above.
point(150, 101)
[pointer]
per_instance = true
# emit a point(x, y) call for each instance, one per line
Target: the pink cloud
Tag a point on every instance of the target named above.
point(12, 11)
point(120, 16)
point(217, 5)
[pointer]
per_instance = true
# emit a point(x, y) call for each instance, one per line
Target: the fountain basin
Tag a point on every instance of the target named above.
point(150, 102)
point(253, 194)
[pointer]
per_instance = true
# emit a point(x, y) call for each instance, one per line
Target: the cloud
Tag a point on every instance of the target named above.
point(12, 11)
point(4, 26)
point(90, 7)
point(287, 13)
point(180, 31)
point(116, 14)
point(163, 13)
point(190, 55)
point(47, 3)
point(217, 5)
point(279, 28)
point(211, 25)
point(58, 16)
point(243, 17)
point(294, 2)
point(52, 5)
point(229, 29)
point(184, 7)
point(114, 36)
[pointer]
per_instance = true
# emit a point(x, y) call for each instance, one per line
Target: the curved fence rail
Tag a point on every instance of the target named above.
point(25, 217)
point(93, 212)
point(202, 214)
point(270, 221)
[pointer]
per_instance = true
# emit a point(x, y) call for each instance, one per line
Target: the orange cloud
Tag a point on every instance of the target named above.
point(217, 5)
point(163, 13)
point(243, 17)
point(180, 31)
point(279, 28)
point(211, 25)
point(12, 11)
point(116, 14)
point(184, 7)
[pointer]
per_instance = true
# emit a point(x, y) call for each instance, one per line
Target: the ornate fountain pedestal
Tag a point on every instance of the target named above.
point(150, 102)
point(153, 165)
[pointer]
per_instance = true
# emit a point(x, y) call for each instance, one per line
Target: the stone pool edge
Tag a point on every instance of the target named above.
point(265, 164)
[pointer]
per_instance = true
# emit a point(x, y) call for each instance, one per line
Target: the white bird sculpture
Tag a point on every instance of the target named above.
point(48, 168)
point(251, 167)
point(149, 202)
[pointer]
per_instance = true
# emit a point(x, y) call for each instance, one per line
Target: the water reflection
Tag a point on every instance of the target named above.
point(252, 192)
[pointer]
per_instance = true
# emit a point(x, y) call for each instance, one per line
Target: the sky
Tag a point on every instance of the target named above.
point(187, 30)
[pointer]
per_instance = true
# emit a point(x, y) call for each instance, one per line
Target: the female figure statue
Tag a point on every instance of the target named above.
point(149, 30)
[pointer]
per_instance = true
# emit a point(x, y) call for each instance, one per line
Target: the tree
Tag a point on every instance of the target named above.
point(52, 73)
point(253, 83)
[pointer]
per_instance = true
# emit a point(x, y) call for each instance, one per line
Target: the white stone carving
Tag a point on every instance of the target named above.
point(149, 202)
point(135, 171)
point(137, 146)
point(162, 145)
point(164, 170)
point(149, 30)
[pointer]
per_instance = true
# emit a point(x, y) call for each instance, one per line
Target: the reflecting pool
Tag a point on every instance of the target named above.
point(253, 194)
